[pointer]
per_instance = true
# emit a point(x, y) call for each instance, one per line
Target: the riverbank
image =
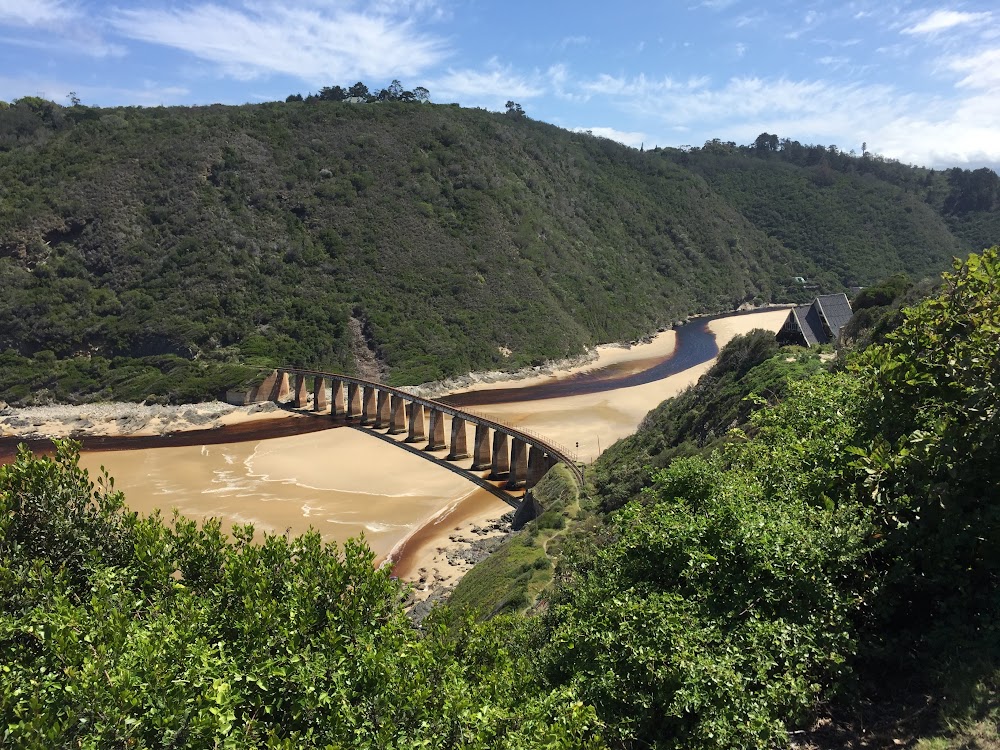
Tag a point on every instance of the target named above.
point(436, 556)
point(122, 419)
point(342, 481)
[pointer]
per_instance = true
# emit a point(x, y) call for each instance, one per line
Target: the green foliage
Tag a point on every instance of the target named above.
point(502, 582)
point(723, 604)
point(515, 574)
point(750, 368)
point(119, 631)
point(851, 534)
point(933, 466)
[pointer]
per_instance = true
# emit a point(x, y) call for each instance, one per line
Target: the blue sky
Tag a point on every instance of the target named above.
point(916, 81)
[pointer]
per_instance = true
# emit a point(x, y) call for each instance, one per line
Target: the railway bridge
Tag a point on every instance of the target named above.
point(516, 459)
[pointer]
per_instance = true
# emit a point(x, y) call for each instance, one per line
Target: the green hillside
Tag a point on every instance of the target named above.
point(167, 253)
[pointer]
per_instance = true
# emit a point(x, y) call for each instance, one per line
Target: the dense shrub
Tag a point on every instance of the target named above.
point(852, 533)
point(125, 632)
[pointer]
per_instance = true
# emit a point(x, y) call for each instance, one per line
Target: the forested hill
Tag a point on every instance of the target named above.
point(167, 253)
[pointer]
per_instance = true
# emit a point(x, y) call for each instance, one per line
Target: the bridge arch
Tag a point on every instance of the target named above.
point(515, 457)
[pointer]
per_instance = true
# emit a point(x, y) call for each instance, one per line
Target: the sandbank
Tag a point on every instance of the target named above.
point(123, 419)
point(432, 557)
point(341, 482)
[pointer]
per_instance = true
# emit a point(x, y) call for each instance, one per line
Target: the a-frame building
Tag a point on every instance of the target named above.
point(818, 323)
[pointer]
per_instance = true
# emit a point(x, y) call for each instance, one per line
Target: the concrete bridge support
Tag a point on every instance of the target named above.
point(481, 458)
point(397, 415)
point(337, 398)
point(538, 464)
point(435, 438)
point(319, 394)
point(368, 405)
point(353, 400)
point(301, 395)
point(518, 463)
point(501, 457)
point(416, 420)
point(279, 389)
point(459, 449)
point(382, 410)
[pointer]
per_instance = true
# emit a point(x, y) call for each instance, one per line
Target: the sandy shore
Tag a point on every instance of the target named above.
point(435, 558)
point(120, 419)
point(344, 482)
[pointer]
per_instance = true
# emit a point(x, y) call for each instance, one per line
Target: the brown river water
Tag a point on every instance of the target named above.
point(346, 483)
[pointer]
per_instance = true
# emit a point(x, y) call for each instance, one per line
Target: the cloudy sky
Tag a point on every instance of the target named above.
point(916, 81)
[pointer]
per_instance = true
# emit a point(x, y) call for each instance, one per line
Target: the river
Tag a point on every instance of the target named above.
point(344, 482)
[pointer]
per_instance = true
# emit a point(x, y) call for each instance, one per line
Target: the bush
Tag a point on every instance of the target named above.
point(118, 631)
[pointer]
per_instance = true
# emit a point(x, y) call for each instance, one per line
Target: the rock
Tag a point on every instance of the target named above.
point(132, 423)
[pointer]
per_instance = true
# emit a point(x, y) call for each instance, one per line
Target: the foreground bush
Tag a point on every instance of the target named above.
point(125, 632)
point(851, 534)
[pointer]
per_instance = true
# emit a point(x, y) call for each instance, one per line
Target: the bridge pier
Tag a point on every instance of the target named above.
point(501, 458)
point(301, 396)
point(435, 437)
point(459, 450)
point(319, 394)
point(538, 464)
point(416, 414)
point(514, 459)
point(368, 405)
point(397, 415)
point(279, 390)
point(353, 400)
point(518, 463)
point(481, 459)
point(382, 410)
point(336, 398)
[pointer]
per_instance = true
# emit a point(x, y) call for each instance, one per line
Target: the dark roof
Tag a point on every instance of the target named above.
point(836, 310)
point(812, 333)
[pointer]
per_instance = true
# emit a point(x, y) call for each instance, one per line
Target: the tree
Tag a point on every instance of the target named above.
point(514, 109)
point(333, 93)
point(294, 98)
point(422, 95)
point(766, 142)
point(73, 99)
point(359, 90)
point(395, 90)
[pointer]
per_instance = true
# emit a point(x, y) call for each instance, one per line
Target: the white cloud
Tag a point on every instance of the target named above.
point(58, 27)
point(639, 86)
point(914, 128)
point(629, 138)
point(561, 84)
point(319, 46)
point(740, 49)
point(942, 20)
point(90, 45)
point(810, 21)
point(573, 41)
point(490, 87)
point(37, 12)
point(833, 61)
point(716, 4)
point(982, 70)
point(748, 19)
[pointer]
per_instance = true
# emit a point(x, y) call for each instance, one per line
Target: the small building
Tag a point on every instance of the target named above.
point(818, 323)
